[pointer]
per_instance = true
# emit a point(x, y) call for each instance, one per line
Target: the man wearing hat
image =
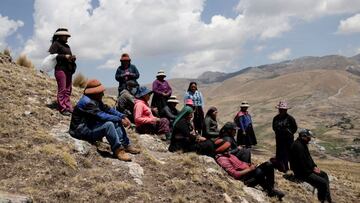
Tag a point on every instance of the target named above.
point(169, 111)
point(126, 100)
point(162, 91)
point(92, 120)
point(125, 72)
point(304, 167)
point(284, 126)
point(245, 135)
point(64, 69)
point(251, 174)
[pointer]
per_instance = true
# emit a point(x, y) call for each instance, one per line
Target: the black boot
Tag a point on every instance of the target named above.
point(277, 193)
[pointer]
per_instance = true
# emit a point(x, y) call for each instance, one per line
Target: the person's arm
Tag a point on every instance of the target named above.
point(225, 163)
point(94, 110)
point(186, 96)
point(111, 111)
point(208, 131)
point(168, 114)
point(118, 76)
point(138, 115)
point(274, 124)
point(135, 73)
point(202, 100)
point(241, 122)
point(169, 92)
point(302, 161)
point(293, 125)
point(54, 49)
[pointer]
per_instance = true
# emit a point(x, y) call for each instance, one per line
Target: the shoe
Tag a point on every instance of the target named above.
point(122, 155)
point(131, 149)
point(66, 113)
point(162, 137)
point(276, 193)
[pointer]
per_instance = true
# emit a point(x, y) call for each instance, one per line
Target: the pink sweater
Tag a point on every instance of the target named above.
point(142, 113)
point(231, 164)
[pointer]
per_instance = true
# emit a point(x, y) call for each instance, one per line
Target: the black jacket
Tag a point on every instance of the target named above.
point(169, 113)
point(210, 129)
point(285, 125)
point(62, 49)
point(301, 162)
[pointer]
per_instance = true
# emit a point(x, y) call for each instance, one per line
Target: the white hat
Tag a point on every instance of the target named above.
point(244, 104)
point(161, 73)
point(62, 31)
point(173, 99)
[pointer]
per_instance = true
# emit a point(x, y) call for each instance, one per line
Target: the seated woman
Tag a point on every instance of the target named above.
point(185, 138)
point(162, 91)
point(227, 134)
point(145, 121)
point(249, 173)
point(169, 111)
point(210, 129)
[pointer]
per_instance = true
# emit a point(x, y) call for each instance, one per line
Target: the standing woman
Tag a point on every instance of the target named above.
point(195, 95)
point(126, 72)
point(64, 69)
point(284, 127)
point(245, 135)
point(162, 91)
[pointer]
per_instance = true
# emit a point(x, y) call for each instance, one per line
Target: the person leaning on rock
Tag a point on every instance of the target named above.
point(92, 120)
point(304, 167)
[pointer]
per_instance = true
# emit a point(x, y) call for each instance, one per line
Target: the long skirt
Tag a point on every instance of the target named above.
point(248, 138)
point(283, 144)
point(198, 119)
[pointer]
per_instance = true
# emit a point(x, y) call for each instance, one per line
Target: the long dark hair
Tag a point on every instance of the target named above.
point(211, 111)
point(191, 83)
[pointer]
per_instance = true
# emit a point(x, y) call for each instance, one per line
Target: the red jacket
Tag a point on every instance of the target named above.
point(142, 113)
point(231, 164)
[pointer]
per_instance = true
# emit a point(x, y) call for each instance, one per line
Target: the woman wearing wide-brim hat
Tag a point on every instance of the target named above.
point(162, 91)
point(245, 135)
point(170, 111)
point(64, 69)
point(145, 121)
point(284, 126)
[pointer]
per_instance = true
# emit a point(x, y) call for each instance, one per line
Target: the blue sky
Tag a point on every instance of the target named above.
point(185, 38)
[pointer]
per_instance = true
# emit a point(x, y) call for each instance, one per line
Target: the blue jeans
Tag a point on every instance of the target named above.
point(114, 133)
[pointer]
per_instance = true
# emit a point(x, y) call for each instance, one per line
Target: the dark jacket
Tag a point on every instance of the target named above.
point(169, 113)
point(210, 129)
point(126, 101)
point(122, 75)
point(301, 162)
point(88, 112)
point(285, 125)
point(183, 130)
point(62, 49)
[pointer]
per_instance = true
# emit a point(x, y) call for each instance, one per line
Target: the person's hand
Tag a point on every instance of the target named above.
point(253, 167)
point(240, 147)
point(158, 120)
point(201, 139)
point(316, 170)
point(125, 122)
point(68, 56)
point(155, 110)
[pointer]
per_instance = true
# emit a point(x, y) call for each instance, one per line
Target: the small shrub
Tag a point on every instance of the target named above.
point(80, 80)
point(24, 61)
point(7, 52)
point(69, 160)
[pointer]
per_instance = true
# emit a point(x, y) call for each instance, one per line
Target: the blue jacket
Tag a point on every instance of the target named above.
point(88, 113)
point(123, 75)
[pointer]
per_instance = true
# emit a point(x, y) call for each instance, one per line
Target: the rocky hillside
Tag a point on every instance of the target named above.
point(41, 161)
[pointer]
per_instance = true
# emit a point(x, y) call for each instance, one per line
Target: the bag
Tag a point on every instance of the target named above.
point(49, 63)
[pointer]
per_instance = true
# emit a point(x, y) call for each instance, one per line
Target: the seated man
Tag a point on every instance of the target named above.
point(250, 174)
point(227, 133)
point(304, 168)
point(92, 120)
point(169, 111)
point(126, 100)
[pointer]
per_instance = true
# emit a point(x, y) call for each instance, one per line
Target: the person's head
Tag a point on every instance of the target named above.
point(228, 129)
point(305, 135)
point(125, 59)
point(212, 112)
point(282, 107)
point(61, 34)
point(161, 75)
point(192, 87)
point(94, 89)
point(172, 101)
point(244, 106)
point(131, 86)
point(143, 93)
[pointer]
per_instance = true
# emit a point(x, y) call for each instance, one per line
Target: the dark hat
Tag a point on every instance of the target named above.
point(94, 87)
point(142, 92)
point(131, 83)
point(229, 126)
point(125, 57)
point(305, 133)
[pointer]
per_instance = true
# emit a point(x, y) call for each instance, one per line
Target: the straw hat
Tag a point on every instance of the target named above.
point(94, 87)
point(161, 73)
point(125, 57)
point(244, 104)
point(282, 105)
point(173, 99)
point(62, 32)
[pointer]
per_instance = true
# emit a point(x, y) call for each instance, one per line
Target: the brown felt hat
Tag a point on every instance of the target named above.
point(125, 57)
point(94, 87)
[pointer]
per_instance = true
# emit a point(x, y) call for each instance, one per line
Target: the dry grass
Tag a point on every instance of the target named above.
point(24, 61)
point(79, 81)
point(66, 157)
point(7, 52)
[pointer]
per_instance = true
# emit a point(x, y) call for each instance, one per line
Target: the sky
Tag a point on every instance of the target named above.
point(184, 37)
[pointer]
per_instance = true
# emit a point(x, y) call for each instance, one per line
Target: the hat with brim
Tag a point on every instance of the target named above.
point(282, 105)
point(306, 133)
point(125, 57)
point(142, 92)
point(161, 73)
point(62, 32)
point(244, 104)
point(173, 99)
point(94, 87)
point(229, 126)
point(189, 102)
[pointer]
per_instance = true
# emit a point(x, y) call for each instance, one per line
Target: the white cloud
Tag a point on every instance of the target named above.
point(7, 28)
point(350, 25)
point(280, 55)
point(259, 48)
point(156, 28)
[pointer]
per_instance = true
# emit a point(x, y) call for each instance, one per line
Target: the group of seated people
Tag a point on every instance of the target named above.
point(92, 120)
